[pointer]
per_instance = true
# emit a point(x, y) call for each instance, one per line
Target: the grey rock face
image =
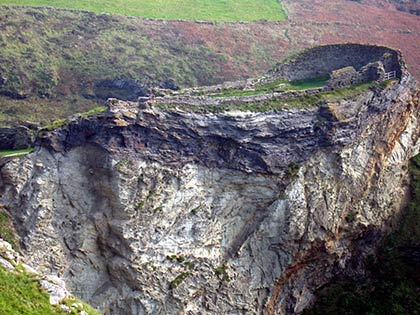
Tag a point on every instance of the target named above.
point(16, 138)
point(149, 211)
point(122, 89)
point(56, 287)
point(348, 76)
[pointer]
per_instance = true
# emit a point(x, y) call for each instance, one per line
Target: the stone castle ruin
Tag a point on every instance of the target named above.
point(346, 64)
point(343, 64)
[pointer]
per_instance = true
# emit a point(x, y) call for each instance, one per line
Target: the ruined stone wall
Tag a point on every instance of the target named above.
point(187, 100)
point(323, 60)
point(315, 62)
point(347, 76)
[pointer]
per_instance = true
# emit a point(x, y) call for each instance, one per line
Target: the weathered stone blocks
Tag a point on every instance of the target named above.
point(323, 60)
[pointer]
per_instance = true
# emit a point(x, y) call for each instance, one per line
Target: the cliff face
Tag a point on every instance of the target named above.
point(150, 211)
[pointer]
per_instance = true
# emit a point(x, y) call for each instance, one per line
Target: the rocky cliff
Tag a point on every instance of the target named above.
point(147, 209)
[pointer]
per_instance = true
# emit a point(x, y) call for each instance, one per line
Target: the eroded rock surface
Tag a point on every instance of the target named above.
point(14, 138)
point(150, 211)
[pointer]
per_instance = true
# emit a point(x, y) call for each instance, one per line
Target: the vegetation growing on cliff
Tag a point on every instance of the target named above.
point(55, 63)
point(54, 125)
point(41, 110)
point(209, 10)
point(19, 152)
point(277, 86)
point(20, 290)
point(306, 101)
point(93, 111)
point(21, 294)
point(7, 229)
point(393, 284)
point(178, 280)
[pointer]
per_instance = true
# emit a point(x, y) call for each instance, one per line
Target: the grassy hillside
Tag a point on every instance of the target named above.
point(393, 283)
point(409, 6)
point(209, 10)
point(20, 291)
point(21, 294)
point(54, 63)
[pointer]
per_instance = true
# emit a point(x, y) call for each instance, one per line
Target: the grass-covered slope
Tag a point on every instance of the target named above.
point(54, 63)
point(21, 294)
point(209, 10)
point(57, 62)
point(47, 53)
point(392, 286)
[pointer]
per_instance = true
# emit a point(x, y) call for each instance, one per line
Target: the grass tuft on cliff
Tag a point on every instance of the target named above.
point(393, 284)
point(7, 231)
point(19, 152)
point(208, 10)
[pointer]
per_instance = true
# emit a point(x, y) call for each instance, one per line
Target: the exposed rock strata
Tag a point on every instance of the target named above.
point(150, 211)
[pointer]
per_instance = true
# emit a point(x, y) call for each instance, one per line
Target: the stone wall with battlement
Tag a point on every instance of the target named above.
point(322, 60)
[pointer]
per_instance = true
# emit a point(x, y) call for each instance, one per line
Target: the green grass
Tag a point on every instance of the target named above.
point(221, 272)
point(76, 310)
point(277, 86)
point(300, 102)
point(93, 111)
point(54, 125)
point(210, 10)
point(19, 152)
point(7, 231)
point(393, 284)
point(21, 294)
point(57, 62)
point(178, 280)
point(44, 111)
